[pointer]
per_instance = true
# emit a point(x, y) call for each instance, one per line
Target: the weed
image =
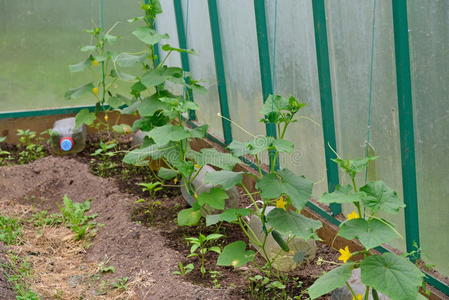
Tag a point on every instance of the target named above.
point(121, 284)
point(151, 187)
point(74, 217)
point(215, 276)
point(184, 270)
point(44, 218)
point(29, 144)
point(18, 271)
point(199, 248)
point(10, 230)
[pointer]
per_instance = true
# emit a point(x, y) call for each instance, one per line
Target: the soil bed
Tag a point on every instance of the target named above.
point(139, 238)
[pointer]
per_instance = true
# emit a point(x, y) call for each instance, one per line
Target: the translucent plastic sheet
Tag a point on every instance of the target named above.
point(350, 26)
point(429, 46)
point(294, 65)
point(196, 19)
point(241, 59)
point(38, 40)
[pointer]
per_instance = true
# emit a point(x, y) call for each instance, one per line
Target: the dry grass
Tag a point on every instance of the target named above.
point(60, 266)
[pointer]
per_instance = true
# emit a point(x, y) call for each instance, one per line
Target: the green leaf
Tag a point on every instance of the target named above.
point(189, 217)
point(211, 156)
point(342, 194)
point(352, 167)
point(139, 156)
point(81, 66)
point(118, 100)
point(129, 60)
point(150, 105)
point(292, 223)
point(257, 145)
point(149, 36)
point(168, 48)
point(199, 132)
point(371, 233)
point(164, 134)
point(285, 182)
point(79, 91)
point(229, 215)
point(132, 20)
point(392, 275)
point(224, 178)
point(2, 139)
point(379, 197)
point(331, 280)
point(283, 145)
point(214, 236)
point(158, 76)
point(236, 255)
point(84, 116)
point(186, 168)
point(215, 198)
point(167, 174)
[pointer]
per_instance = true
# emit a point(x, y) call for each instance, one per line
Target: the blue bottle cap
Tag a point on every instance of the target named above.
point(66, 144)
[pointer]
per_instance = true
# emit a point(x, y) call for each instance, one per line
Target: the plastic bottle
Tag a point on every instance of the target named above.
point(66, 138)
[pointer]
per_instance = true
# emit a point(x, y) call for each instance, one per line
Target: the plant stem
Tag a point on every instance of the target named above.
point(351, 290)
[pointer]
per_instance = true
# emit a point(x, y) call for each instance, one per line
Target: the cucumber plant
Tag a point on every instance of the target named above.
point(163, 116)
point(387, 273)
point(282, 194)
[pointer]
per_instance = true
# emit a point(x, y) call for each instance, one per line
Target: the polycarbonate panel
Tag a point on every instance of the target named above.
point(350, 41)
point(429, 47)
point(166, 23)
point(38, 40)
point(241, 60)
point(295, 74)
point(202, 65)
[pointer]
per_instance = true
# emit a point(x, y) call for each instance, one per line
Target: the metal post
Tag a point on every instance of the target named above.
point(264, 61)
point(182, 39)
point(405, 108)
point(220, 71)
point(327, 109)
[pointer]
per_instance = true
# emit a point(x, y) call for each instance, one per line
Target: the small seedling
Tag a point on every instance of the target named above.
point(44, 218)
point(18, 271)
point(214, 276)
point(262, 287)
point(74, 217)
point(184, 270)
point(121, 283)
point(29, 143)
point(104, 151)
point(199, 248)
point(10, 230)
point(106, 269)
point(151, 187)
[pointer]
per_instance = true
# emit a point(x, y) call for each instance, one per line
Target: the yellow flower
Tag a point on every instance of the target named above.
point(95, 63)
point(358, 297)
point(95, 90)
point(281, 203)
point(353, 215)
point(106, 117)
point(197, 166)
point(345, 254)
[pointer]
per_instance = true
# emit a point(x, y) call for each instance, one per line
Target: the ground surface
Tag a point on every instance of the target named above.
point(139, 238)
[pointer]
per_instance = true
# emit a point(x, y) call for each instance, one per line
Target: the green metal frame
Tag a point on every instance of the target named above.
point(220, 71)
point(404, 92)
point(182, 40)
point(264, 63)
point(327, 108)
point(405, 108)
point(44, 112)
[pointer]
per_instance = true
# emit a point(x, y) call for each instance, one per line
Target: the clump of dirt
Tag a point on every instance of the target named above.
point(137, 252)
point(6, 291)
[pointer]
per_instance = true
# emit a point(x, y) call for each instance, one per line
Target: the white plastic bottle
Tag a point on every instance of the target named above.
point(66, 139)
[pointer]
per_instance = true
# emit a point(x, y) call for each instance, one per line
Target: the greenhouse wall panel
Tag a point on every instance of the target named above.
point(364, 88)
point(429, 43)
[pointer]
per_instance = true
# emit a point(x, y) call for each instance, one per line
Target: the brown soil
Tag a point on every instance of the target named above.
point(134, 250)
point(6, 291)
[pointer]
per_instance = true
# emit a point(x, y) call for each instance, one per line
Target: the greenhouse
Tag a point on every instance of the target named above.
point(224, 149)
